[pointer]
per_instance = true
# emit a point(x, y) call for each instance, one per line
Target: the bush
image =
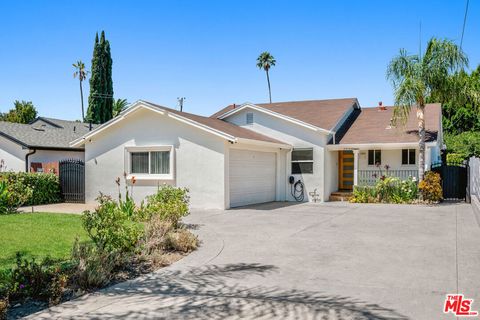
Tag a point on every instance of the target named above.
point(4, 292)
point(93, 268)
point(42, 281)
point(455, 158)
point(364, 194)
point(431, 187)
point(111, 228)
point(387, 190)
point(156, 231)
point(32, 188)
point(181, 240)
point(169, 203)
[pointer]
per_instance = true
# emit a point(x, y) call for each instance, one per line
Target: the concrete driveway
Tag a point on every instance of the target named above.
point(307, 261)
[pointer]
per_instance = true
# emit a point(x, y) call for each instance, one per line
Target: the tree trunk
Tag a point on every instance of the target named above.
point(81, 99)
point(421, 143)
point(269, 90)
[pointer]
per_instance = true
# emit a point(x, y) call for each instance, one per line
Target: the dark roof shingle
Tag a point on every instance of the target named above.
point(41, 133)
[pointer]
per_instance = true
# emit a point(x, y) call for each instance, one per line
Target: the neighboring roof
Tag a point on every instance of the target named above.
point(44, 132)
point(373, 126)
point(323, 114)
point(230, 130)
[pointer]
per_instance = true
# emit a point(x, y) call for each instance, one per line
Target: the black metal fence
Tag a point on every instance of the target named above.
point(72, 180)
point(455, 180)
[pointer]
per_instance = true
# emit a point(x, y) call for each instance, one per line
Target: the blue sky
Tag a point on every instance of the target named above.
point(206, 50)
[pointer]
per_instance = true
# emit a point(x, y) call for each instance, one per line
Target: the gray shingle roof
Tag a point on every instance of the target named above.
point(44, 132)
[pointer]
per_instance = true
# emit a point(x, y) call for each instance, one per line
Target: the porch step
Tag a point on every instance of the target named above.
point(340, 196)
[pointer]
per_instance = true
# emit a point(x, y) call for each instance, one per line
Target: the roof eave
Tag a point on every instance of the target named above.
point(275, 114)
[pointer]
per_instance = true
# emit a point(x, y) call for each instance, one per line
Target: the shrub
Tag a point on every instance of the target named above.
point(169, 203)
point(43, 281)
point(455, 158)
point(156, 231)
point(4, 292)
point(431, 187)
point(111, 228)
point(364, 194)
point(32, 188)
point(181, 240)
point(387, 189)
point(93, 268)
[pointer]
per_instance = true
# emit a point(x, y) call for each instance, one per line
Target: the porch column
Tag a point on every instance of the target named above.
point(428, 158)
point(355, 167)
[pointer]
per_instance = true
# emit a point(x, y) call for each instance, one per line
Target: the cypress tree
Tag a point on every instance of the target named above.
point(100, 100)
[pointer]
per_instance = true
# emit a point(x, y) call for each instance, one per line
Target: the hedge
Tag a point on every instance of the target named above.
point(45, 186)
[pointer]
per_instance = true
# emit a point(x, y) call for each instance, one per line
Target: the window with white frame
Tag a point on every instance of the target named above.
point(302, 161)
point(408, 156)
point(374, 157)
point(154, 161)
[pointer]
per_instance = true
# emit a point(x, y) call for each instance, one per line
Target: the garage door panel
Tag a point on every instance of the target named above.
point(252, 177)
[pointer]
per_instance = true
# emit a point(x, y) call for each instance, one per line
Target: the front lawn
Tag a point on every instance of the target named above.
point(38, 235)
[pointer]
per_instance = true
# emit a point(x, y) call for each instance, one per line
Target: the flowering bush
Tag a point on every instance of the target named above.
point(388, 190)
point(43, 281)
point(430, 187)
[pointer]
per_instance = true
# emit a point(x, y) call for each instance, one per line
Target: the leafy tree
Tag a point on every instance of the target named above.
point(81, 73)
point(465, 144)
point(118, 106)
point(23, 112)
point(460, 102)
point(265, 61)
point(100, 100)
point(414, 78)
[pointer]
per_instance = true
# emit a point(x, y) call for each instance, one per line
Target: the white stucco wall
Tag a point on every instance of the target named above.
point(298, 137)
point(199, 161)
point(55, 155)
point(12, 154)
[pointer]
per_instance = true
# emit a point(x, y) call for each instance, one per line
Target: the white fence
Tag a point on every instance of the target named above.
point(475, 177)
point(370, 177)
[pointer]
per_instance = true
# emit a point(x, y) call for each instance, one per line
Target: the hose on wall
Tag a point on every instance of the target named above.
point(297, 190)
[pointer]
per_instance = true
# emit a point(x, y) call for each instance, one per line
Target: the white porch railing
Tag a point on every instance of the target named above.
point(370, 177)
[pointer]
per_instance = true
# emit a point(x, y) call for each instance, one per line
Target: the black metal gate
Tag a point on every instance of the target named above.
point(455, 180)
point(72, 180)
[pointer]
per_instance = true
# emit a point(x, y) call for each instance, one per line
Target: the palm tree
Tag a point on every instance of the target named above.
point(81, 73)
point(265, 61)
point(118, 106)
point(414, 78)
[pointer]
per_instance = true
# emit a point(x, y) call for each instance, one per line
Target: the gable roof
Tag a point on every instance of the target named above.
point(222, 128)
point(56, 135)
point(323, 114)
point(373, 126)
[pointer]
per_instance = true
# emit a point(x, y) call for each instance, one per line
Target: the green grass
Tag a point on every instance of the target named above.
point(38, 235)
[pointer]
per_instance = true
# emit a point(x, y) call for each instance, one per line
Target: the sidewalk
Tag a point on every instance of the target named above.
point(76, 208)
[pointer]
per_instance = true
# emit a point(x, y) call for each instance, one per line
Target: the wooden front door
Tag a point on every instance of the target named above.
point(345, 170)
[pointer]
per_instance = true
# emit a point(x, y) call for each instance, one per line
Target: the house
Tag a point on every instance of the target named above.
point(44, 140)
point(254, 153)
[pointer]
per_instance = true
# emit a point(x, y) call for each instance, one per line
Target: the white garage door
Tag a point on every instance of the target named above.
point(252, 177)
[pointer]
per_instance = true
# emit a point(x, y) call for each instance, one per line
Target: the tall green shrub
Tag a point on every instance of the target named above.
point(34, 188)
point(100, 100)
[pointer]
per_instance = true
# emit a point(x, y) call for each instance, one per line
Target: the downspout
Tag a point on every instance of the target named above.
point(26, 159)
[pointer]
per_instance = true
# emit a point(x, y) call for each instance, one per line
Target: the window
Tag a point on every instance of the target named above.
point(374, 157)
point(408, 156)
point(149, 162)
point(302, 161)
point(249, 118)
